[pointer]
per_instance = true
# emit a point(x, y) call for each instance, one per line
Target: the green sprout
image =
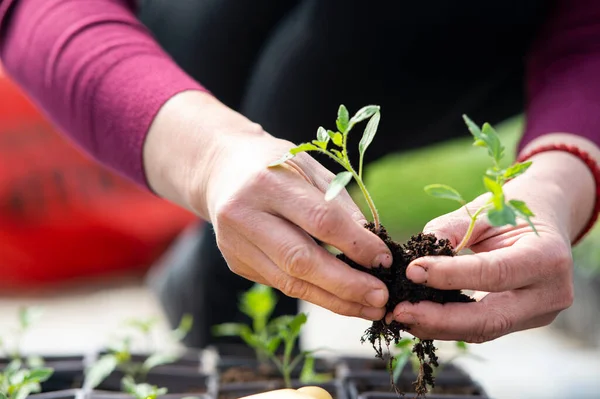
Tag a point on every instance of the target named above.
point(266, 336)
point(142, 390)
point(334, 145)
point(500, 212)
point(119, 356)
point(27, 317)
point(258, 304)
point(17, 382)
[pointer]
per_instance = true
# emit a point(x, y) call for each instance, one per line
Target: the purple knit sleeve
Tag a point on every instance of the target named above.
point(94, 70)
point(563, 73)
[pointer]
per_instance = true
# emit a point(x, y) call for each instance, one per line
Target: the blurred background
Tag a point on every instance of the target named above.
point(79, 241)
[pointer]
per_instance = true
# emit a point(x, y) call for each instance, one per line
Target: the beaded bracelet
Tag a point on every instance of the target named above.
point(591, 164)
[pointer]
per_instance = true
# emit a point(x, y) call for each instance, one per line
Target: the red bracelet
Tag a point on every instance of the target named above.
point(589, 161)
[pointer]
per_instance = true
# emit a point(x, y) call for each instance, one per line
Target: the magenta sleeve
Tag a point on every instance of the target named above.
point(95, 71)
point(563, 73)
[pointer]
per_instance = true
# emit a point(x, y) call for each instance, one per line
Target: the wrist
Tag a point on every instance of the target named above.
point(569, 164)
point(183, 143)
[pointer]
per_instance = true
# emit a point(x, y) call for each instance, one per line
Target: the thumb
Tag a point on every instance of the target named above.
point(453, 226)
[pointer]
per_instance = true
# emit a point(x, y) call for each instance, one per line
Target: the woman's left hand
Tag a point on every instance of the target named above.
point(522, 280)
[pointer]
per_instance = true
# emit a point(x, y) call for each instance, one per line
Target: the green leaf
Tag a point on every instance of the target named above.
point(339, 182)
point(185, 326)
point(34, 362)
point(229, 329)
point(403, 343)
point(143, 326)
point(303, 148)
point(336, 137)
point(474, 129)
point(296, 324)
point(486, 137)
point(502, 217)
point(3, 396)
point(523, 211)
point(284, 158)
point(342, 119)
point(444, 191)
point(520, 207)
point(280, 323)
point(322, 135)
point(141, 391)
point(492, 186)
point(364, 113)
point(100, 370)
point(400, 362)
point(39, 375)
point(29, 315)
point(128, 384)
point(258, 303)
point(462, 345)
point(320, 144)
point(308, 374)
point(18, 377)
point(369, 133)
point(158, 359)
point(491, 138)
point(26, 389)
point(272, 344)
point(516, 170)
point(12, 367)
point(251, 339)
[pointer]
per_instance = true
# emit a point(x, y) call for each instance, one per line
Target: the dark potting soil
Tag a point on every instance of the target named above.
point(401, 289)
point(247, 374)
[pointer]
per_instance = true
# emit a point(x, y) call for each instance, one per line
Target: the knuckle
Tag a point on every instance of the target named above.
point(566, 298)
point(323, 219)
point(495, 325)
point(495, 273)
point(297, 261)
point(294, 288)
point(228, 213)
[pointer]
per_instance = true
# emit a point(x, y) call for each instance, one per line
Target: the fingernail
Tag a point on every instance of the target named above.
point(389, 318)
point(372, 313)
point(384, 260)
point(417, 274)
point(376, 298)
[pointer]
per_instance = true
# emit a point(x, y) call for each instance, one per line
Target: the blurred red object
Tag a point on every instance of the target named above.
point(63, 216)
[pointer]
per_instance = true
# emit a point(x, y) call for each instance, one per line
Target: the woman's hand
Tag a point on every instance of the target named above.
point(523, 280)
point(212, 160)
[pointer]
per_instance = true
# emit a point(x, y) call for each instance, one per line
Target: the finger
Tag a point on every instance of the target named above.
point(245, 270)
point(298, 256)
point(495, 315)
point(296, 288)
point(330, 222)
point(496, 271)
point(453, 226)
point(529, 260)
point(321, 178)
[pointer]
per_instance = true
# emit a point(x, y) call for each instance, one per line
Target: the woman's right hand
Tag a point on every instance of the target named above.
point(214, 161)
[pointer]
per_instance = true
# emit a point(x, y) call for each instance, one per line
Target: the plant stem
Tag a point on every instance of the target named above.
point(469, 233)
point(287, 354)
point(360, 183)
point(367, 196)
